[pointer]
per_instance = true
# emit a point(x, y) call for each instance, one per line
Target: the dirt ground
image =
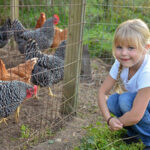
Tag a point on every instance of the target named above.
point(69, 136)
point(88, 113)
point(38, 115)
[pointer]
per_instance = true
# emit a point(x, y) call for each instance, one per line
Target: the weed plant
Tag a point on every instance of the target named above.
point(100, 137)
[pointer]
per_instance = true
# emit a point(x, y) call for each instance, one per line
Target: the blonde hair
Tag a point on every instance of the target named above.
point(118, 87)
point(133, 32)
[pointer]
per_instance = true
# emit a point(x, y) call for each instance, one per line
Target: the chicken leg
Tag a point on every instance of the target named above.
point(4, 120)
point(51, 93)
point(17, 114)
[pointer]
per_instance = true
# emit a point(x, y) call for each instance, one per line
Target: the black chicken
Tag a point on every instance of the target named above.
point(5, 33)
point(12, 94)
point(43, 36)
point(49, 69)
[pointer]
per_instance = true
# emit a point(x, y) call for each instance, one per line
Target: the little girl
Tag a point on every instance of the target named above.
point(132, 66)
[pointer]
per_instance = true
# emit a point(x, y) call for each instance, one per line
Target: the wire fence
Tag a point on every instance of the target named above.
point(38, 119)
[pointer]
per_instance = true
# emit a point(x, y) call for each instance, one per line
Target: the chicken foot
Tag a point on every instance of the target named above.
point(4, 120)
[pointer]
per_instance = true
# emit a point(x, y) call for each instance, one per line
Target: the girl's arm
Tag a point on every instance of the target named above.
point(138, 109)
point(102, 96)
point(107, 85)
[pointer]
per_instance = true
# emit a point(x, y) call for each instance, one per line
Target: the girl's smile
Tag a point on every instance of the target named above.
point(124, 59)
point(129, 56)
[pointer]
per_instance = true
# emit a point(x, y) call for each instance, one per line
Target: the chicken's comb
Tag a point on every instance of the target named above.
point(56, 19)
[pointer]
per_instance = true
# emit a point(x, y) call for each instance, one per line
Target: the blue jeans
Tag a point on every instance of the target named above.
point(118, 104)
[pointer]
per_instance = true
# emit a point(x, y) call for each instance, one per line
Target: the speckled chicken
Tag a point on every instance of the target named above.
point(5, 33)
point(59, 36)
point(43, 36)
point(49, 69)
point(12, 94)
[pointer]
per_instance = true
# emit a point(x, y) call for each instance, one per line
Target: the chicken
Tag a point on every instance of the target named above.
point(43, 36)
point(12, 94)
point(49, 69)
point(41, 20)
point(5, 33)
point(59, 36)
point(21, 72)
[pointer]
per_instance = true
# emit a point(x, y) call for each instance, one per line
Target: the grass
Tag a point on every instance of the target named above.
point(25, 131)
point(99, 137)
point(102, 18)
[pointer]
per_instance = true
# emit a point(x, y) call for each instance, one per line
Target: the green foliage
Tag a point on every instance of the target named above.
point(29, 14)
point(29, 11)
point(97, 39)
point(100, 137)
point(25, 131)
point(101, 18)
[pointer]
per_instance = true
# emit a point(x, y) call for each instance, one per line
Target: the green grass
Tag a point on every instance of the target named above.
point(99, 137)
point(102, 20)
point(25, 131)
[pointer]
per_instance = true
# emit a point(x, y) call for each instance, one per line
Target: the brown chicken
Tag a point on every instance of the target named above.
point(22, 72)
point(41, 20)
point(60, 35)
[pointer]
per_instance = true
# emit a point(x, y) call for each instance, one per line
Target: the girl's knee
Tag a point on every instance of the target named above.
point(125, 101)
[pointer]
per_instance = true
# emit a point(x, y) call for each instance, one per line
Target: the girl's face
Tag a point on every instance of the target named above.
point(129, 56)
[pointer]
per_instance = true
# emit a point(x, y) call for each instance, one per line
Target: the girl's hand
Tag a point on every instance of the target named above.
point(115, 124)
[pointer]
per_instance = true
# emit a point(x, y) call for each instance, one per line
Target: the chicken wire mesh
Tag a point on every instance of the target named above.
point(39, 118)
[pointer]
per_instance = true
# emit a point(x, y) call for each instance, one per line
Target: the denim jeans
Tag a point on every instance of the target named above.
point(118, 104)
